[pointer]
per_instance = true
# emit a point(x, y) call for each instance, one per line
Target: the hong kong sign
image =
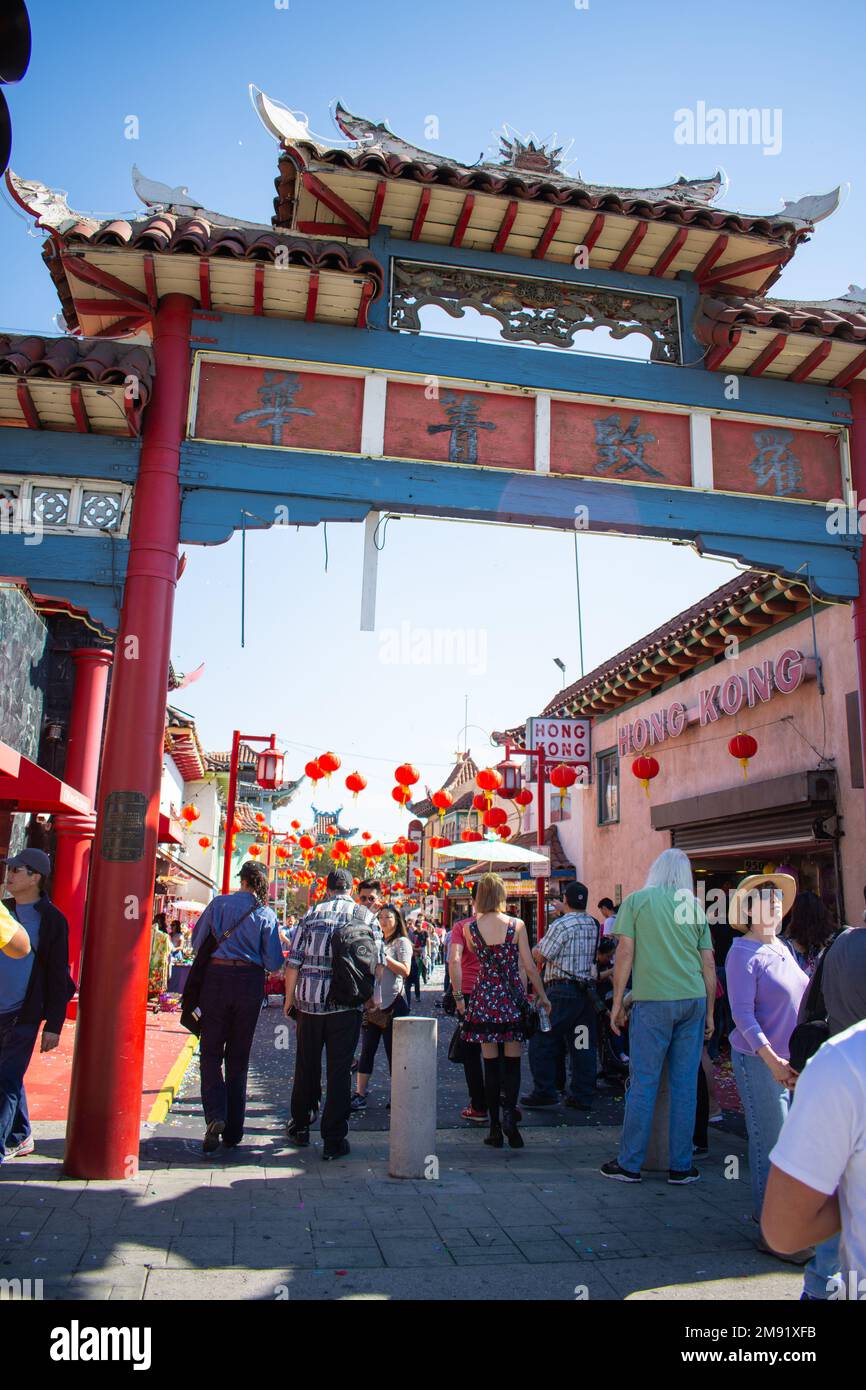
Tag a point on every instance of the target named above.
point(725, 697)
point(563, 740)
point(279, 404)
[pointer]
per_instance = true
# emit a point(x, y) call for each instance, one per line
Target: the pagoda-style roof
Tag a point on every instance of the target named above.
point(110, 273)
point(464, 770)
point(527, 206)
point(75, 384)
point(824, 342)
point(182, 743)
point(743, 607)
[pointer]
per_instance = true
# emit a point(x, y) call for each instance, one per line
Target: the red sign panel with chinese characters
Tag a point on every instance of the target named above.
point(260, 405)
point(469, 427)
point(776, 461)
point(620, 442)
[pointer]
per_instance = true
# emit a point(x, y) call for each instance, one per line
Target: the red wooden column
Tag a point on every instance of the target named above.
point(105, 1101)
point(75, 832)
point(858, 480)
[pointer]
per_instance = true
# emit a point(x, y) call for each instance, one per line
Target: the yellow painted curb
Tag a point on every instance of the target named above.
point(171, 1085)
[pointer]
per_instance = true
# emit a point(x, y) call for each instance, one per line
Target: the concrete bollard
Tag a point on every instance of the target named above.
point(413, 1098)
point(658, 1149)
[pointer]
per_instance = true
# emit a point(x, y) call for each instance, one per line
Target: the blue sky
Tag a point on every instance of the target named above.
point(609, 78)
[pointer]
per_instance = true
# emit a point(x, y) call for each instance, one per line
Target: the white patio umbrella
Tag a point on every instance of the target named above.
point(492, 852)
point(186, 905)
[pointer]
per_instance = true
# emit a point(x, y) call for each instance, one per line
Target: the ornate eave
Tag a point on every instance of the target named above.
point(383, 180)
point(823, 343)
point(73, 384)
point(742, 608)
point(110, 273)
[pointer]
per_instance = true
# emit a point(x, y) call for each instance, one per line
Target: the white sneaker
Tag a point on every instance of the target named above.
point(23, 1149)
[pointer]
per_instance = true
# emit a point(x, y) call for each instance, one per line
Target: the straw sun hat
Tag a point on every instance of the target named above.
point(755, 884)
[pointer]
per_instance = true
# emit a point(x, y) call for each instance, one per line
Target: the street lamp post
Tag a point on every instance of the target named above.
point(231, 806)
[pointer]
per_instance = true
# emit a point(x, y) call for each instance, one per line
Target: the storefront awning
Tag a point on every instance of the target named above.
point(783, 813)
point(25, 786)
point(170, 830)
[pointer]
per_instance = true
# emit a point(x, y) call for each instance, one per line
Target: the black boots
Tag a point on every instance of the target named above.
point(504, 1073)
point(511, 1090)
point(492, 1082)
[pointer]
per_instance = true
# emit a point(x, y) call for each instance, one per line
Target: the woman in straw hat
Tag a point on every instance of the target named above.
point(765, 987)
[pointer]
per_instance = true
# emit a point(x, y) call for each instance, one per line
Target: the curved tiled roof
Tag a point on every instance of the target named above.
point(97, 360)
point(628, 202)
point(842, 319)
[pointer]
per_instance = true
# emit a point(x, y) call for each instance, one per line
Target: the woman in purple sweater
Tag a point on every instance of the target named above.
point(765, 986)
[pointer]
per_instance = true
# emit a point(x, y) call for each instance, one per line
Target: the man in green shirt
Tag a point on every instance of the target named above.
point(666, 948)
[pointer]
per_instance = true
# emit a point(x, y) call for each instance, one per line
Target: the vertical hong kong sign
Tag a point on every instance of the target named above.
point(562, 741)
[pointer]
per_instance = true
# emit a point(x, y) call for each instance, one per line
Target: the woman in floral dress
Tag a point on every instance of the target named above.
point(494, 1018)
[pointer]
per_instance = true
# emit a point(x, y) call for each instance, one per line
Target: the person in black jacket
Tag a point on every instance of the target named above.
point(33, 988)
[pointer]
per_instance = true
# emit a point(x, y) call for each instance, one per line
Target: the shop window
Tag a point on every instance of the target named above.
point(607, 780)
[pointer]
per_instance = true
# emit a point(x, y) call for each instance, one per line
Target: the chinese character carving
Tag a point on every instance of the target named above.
point(620, 449)
point(277, 409)
point(776, 462)
point(463, 427)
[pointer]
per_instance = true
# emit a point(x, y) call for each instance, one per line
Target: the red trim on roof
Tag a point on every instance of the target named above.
point(671, 251)
point(765, 261)
point(25, 400)
point(376, 210)
point(631, 246)
point(594, 232)
point(716, 250)
point(463, 220)
point(770, 353)
point(717, 355)
point(847, 374)
point(420, 215)
point(28, 787)
point(335, 203)
point(814, 360)
point(548, 234)
point(505, 225)
point(312, 296)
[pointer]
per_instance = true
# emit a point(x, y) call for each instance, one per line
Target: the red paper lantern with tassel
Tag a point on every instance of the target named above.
point(645, 769)
point(743, 747)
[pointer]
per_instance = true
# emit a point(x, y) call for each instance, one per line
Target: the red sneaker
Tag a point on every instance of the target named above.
point(478, 1117)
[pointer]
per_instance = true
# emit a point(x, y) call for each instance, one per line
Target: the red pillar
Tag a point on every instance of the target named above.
point(858, 480)
point(230, 812)
point(105, 1101)
point(75, 832)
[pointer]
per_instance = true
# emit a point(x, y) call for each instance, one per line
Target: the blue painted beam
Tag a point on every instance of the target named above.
point(536, 368)
point(760, 532)
point(88, 571)
point(66, 455)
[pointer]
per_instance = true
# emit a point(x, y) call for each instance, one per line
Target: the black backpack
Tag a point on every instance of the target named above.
point(354, 957)
point(813, 1030)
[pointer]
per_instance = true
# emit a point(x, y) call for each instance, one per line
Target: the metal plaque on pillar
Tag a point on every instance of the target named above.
point(124, 826)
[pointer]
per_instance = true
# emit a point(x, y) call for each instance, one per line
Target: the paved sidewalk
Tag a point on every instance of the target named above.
point(268, 1221)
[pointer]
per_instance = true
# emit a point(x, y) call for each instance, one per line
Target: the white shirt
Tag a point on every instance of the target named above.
point(823, 1140)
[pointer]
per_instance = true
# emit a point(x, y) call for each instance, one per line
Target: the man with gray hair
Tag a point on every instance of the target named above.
point(323, 1020)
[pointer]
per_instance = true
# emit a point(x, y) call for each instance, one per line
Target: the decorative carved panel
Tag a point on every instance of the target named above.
point(535, 310)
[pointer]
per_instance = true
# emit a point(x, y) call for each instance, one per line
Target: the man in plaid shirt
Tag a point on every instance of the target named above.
point(567, 954)
point(333, 1027)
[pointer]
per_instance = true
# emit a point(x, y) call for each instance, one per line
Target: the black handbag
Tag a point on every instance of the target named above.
point(190, 1000)
point(814, 1030)
point(458, 1050)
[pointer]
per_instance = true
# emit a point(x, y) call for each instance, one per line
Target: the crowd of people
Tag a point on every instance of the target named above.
point(651, 988)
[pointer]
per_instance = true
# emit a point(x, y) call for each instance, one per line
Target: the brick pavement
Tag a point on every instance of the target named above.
point(268, 1221)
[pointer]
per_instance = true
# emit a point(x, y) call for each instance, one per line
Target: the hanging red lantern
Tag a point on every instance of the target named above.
point(365, 835)
point(356, 783)
point(190, 813)
point(254, 851)
point(328, 762)
point(296, 825)
point(307, 843)
point(401, 794)
point(743, 747)
point(260, 820)
point(645, 769)
point(442, 800)
point(314, 772)
point(470, 835)
point(505, 832)
point(282, 852)
point(495, 817)
point(204, 841)
point(410, 849)
point(406, 775)
point(479, 802)
point(562, 777)
point(523, 797)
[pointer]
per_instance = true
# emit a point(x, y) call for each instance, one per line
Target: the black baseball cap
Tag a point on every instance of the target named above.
point(35, 859)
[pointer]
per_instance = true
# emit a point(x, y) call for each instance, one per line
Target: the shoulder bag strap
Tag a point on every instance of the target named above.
point(226, 934)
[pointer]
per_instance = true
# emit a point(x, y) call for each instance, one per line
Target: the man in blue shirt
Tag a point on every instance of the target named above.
point(33, 987)
point(231, 999)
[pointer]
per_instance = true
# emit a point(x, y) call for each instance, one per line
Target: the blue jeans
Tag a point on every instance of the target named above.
point(823, 1266)
point(765, 1105)
point(16, 1048)
point(571, 1010)
point(672, 1031)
